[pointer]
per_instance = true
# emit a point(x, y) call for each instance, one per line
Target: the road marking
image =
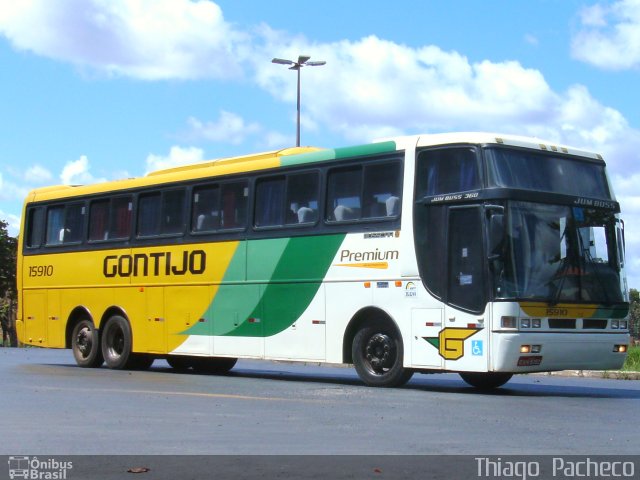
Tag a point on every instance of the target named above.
point(184, 394)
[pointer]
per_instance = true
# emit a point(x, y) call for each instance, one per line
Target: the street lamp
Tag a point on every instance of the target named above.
point(303, 61)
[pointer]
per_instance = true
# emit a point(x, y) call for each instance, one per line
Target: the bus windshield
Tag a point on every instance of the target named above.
point(557, 253)
point(530, 170)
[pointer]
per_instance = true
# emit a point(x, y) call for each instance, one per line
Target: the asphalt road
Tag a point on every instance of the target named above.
point(50, 406)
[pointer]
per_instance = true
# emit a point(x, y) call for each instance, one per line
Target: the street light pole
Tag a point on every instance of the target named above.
point(303, 61)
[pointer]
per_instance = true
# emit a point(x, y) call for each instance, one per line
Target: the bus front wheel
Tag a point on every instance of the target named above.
point(377, 353)
point(487, 380)
point(85, 344)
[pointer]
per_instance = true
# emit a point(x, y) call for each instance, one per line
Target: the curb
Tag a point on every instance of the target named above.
point(614, 375)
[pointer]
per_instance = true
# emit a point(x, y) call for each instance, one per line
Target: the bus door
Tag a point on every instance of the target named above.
point(464, 338)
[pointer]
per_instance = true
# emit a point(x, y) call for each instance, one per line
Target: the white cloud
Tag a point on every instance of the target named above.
point(229, 128)
point(13, 221)
point(531, 39)
point(610, 35)
point(38, 174)
point(77, 172)
point(177, 156)
point(147, 39)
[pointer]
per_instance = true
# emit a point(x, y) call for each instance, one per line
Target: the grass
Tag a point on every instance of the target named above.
point(632, 364)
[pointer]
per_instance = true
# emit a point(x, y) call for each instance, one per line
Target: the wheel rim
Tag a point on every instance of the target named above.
point(84, 342)
point(380, 353)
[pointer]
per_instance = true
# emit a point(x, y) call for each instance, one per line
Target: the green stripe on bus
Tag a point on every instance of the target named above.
point(337, 153)
point(265, 309)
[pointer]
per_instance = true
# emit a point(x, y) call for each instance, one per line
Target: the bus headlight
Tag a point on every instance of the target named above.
point(615, 324)
point(536, 322)
point(525, 323)
point(624, 324)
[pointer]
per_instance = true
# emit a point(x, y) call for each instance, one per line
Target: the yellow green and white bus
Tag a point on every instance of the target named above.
point(474, 253)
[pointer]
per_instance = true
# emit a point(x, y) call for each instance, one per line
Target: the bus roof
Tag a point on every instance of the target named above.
point(296, 156)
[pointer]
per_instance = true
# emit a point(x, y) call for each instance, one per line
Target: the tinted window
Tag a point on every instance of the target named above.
point(205, 209)
point(149, 214)
point(302, 198)
point(35, 224)
point(270, 202)
point(362, 192)
point(65, 224)
point(537, 171)
point(447, 170)
point(99, 220)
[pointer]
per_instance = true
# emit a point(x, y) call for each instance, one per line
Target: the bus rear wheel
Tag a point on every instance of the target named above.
point(215, 365)
point(85, 344)
point(377, 353)
point(116, 343)
point(486, 380)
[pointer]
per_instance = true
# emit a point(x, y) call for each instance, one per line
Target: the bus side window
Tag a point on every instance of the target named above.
point(33, 235)
point(234, 205)
point(269, 208)
point(382, 190)
point(447, 170)
point(99, 220)
point(149, 214)
point(65, 224)
point(173, 203)
point(120, 223)
point(344, 190)
point(302, 198)
point(205, 209)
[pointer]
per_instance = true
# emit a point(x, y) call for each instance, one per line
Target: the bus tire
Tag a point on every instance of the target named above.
point(377, 353)
point(181, 363)
point(215, 365)
point(85, 344)
point(117, 343)
point(486, 380)
point(140, 361)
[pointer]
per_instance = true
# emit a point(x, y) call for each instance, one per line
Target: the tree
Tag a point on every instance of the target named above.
point(8, 290)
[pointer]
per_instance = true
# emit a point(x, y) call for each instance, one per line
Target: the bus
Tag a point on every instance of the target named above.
point(482, 254)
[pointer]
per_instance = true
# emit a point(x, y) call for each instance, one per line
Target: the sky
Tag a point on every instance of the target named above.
point(95, 90)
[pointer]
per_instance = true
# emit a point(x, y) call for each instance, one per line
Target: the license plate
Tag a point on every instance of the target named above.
point(529, 361)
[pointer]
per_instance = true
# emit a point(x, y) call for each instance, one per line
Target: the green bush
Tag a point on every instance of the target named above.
point(632, 363)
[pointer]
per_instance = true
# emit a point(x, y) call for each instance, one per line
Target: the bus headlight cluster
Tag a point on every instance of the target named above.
point(530, 323)
point(530, 348)
point(619, 324)
point(509, 322)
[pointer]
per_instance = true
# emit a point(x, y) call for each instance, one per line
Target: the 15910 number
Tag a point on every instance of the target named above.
point(41, 271)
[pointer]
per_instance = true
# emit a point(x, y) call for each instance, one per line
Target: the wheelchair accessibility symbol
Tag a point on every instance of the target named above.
point(477, 348)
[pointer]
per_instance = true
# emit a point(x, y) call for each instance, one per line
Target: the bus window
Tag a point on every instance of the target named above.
point(149, 214)
point(64, 224)
point(205, 209)
point(269, 202)
point(302, 198)
point(99, 220)
point(234, 205)
point(344, 187)
point(121, 209)
point(447, 170)
point(381, 190)
point(173, 203)
point(33, 236)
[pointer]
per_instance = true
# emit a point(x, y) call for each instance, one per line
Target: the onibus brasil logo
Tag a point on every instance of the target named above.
point(37, 469)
